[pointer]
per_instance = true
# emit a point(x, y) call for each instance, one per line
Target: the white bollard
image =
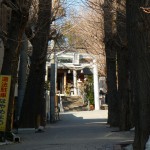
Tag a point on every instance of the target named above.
point(147, 147)
point(129, 147)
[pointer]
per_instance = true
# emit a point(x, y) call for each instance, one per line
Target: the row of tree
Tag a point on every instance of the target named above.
point(116, 29)
point(29, 20)
point(123, 27)
point(127, 36)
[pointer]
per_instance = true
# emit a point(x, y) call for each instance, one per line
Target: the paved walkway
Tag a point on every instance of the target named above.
point(86, 130)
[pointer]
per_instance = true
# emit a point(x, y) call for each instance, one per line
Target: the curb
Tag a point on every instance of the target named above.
point(5, 143)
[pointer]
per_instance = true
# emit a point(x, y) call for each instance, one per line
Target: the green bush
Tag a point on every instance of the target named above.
point(89, 90)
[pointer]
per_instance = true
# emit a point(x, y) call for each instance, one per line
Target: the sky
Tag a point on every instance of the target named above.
point(76, 4)
point(74, 7)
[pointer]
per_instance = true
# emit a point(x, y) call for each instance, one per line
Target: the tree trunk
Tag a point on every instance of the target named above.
point(110, 35)
point(124, 92)
point(138, 25)
point(112, 92)
point(10, 62)
point(34, 96)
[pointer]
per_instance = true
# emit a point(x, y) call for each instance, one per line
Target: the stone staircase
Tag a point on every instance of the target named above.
point(73, 103)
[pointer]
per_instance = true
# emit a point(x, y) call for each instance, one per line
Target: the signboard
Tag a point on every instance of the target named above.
point(5, 82)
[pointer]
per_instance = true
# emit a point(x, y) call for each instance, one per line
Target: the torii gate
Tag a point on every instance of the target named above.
point(74, 67)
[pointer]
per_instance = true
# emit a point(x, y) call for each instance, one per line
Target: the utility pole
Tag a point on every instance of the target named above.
point(52, 86)
point(52, 93)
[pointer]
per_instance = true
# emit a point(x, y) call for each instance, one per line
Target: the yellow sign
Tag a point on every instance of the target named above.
point(5, 82)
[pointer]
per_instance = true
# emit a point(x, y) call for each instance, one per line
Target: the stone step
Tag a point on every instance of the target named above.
point(73, 103)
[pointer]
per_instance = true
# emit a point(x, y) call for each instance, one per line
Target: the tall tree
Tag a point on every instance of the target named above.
point(111, 53)
point(124, 88)
point(85, 31)
point(34, 95)
point(138, 31)
point(19, 18)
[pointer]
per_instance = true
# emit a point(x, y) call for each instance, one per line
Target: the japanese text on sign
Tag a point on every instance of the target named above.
point(4, 98)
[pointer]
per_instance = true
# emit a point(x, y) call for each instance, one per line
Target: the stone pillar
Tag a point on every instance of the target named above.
point(96, 86)
point(65, 82)
point(75, 81)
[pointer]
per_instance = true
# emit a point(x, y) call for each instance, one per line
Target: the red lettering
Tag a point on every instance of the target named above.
point(4, 85)
point(5, 79)
point(2, 95)
point(3, 89)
